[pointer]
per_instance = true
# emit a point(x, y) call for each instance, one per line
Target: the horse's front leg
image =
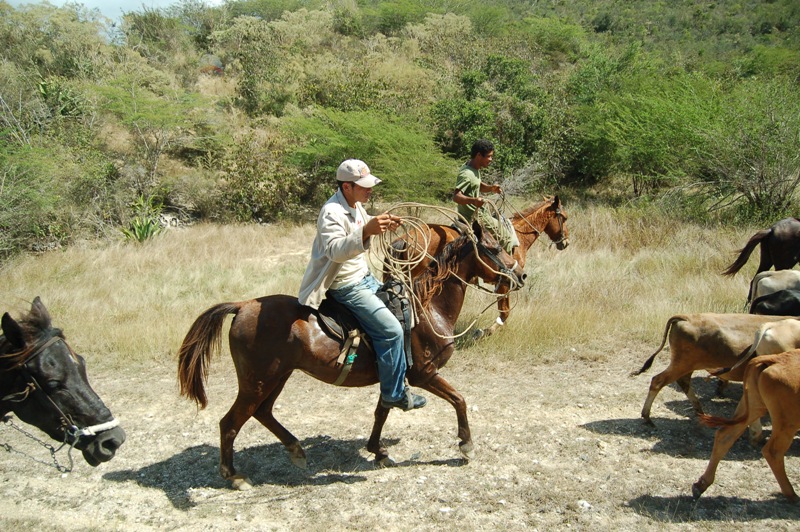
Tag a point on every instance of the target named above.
point(375, 445)
point(441, 388)
point(504, 307)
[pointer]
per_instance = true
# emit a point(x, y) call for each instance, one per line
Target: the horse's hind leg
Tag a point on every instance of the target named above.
point(441, 388)
point(229, 426)
point(264, 415)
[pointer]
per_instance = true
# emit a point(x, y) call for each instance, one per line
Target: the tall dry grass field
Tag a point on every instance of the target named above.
point(622, 276)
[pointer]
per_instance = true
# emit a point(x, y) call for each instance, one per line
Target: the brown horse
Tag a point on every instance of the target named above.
point(780, 247)
point(547, 217)
point(272, 336)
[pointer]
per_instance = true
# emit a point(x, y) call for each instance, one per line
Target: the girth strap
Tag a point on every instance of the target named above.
point(348, 355)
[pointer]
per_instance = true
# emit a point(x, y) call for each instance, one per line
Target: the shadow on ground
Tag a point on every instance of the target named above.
point(329, 461)
point(712, 510)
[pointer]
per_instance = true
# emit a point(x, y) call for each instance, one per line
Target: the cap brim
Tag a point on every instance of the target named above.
point(368, 181)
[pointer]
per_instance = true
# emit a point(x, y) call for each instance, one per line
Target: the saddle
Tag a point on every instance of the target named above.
point(338, 322)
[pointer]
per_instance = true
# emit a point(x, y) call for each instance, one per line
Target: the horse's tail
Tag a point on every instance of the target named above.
point(744, 253)
point(649, 361)
point(194, 355)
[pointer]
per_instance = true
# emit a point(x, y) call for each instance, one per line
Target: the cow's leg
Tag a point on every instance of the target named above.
point(265, 416)
point(775, 450)
point(723, 441)
point(685, 383)
point(666, 377)
point(441, 388)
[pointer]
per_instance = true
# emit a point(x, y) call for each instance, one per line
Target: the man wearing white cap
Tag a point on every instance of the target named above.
point(339, 270)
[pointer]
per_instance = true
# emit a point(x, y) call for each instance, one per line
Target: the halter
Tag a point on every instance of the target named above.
point(71, 431)
point(508, 272)
point(560, 218)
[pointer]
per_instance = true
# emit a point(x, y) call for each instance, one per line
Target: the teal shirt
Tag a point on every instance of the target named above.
point(469, 183)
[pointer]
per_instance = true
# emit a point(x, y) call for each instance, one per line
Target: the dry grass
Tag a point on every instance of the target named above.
point(622, 277)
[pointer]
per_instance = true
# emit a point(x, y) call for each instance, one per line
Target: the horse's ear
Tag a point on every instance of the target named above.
point(40, 314)
point(478, 230)
point(556, 200)
point(13, 332)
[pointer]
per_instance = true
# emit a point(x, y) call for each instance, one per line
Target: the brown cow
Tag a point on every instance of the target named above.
point(771, 384)
point(702, 342)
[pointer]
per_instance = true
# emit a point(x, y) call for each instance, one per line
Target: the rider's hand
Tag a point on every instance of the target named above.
point(382, 223)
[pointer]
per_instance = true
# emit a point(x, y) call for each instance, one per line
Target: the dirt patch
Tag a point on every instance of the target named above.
point(558, 446)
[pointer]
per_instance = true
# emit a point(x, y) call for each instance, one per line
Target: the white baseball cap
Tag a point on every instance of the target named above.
point(355, 171)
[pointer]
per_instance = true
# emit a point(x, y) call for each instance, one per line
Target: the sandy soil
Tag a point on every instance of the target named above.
point(558, 446)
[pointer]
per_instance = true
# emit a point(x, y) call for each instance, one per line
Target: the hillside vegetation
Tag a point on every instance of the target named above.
point(242, 112)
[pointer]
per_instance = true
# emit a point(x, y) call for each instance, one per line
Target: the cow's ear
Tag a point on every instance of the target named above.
point(13, 332)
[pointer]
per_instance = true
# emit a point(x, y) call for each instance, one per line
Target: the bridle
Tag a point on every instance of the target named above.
point(503, 270)
point(560, 217)
point(72, 433)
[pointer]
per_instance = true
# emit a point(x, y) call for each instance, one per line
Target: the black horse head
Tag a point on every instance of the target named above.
point(43, 382)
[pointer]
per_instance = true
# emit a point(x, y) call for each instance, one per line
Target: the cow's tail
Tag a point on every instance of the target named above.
point(649, 361)
point(750, 385)
point(201, 342)
point(744, 253)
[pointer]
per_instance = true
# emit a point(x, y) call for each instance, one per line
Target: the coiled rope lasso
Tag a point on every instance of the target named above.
point(416, 235)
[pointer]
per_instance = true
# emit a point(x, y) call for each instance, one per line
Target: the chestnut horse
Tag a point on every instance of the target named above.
point(44, 383)
point(272, 336)
point(547, 217)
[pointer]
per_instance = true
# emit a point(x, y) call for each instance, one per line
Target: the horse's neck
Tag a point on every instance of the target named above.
point(530, 227)
point(444, 308)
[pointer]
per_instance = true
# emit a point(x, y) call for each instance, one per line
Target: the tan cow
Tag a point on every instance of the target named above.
point(771, 384)
point(702, 342)
point(770, 339)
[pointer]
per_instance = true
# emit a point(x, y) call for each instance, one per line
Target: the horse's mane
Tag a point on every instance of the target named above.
point(430, 281)
point(33, 325)
point(536, 207)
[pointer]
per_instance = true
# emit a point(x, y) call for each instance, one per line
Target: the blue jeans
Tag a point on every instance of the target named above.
point(383, 329)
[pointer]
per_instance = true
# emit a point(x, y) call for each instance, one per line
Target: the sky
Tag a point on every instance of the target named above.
point(113, 9)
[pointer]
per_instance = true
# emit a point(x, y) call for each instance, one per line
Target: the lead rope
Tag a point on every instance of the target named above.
point(62, 469)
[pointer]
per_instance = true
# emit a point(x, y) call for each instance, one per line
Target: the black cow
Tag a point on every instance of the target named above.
point(780, 303)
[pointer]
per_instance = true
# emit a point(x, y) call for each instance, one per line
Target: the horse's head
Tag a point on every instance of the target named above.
point(495, 265)
point(556, 227)
point(44, 383)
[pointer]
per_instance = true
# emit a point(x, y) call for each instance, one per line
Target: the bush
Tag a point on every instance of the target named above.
point(400, 152)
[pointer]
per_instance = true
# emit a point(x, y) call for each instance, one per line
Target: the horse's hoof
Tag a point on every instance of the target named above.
point(300, 461)
point(467, 451)
point(241, 483)
point(386, 461)
point(478, 334)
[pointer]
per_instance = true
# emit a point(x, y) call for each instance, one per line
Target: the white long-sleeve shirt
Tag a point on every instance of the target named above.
point(339, 240)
